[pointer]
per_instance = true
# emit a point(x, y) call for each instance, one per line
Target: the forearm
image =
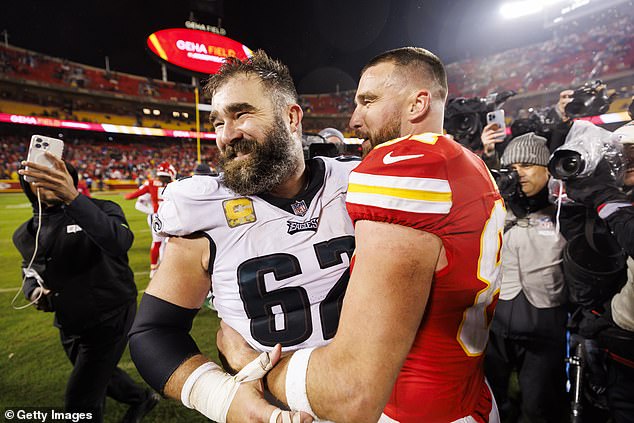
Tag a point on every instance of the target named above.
point(351, 378)
point(339, 387)
point(107, 228)
point(160, 342)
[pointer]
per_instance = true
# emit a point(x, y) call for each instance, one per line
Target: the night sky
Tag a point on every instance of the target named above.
point(325, 43)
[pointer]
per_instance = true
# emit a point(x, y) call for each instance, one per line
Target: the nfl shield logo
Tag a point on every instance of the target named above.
point(299, 208)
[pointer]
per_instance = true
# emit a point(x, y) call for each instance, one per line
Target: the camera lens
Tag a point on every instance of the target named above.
point(566, 164)
point(570, 165)
point(38, 140)
point(38, 145)
point(45, 144)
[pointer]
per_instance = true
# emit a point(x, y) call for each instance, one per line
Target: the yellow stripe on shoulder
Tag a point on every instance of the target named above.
point(427, 138)
point(411, 194)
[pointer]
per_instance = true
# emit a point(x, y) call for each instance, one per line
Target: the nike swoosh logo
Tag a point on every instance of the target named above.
point(389, 159)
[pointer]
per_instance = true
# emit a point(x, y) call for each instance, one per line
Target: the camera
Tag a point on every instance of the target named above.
point(590, 99)
point(507, 180)
point(585, 145)
point(540, 121)
point(466, 117)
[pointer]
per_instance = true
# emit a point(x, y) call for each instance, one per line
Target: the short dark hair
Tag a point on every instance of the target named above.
point(273, 74)
point(419, 61)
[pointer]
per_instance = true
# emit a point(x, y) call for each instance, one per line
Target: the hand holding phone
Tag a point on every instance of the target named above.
point(497, 116)
point(38, 148)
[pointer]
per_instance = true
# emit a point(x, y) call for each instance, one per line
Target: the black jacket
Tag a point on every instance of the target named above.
point(82, 258)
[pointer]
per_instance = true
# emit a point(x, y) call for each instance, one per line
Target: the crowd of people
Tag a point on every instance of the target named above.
point(100, 160)
point(401, 288)
point(595, 47)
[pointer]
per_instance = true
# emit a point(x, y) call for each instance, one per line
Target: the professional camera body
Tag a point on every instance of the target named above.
point(586, 144)
point(540, 121)
point(507, 181)
point(590, 99)
point(466, 117)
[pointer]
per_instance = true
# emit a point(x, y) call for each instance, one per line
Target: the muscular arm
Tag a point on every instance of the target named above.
point(183, 281)
point(351, 378)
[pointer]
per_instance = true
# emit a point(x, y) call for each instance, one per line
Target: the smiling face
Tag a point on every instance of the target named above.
point(258, 149)
point(379, 104)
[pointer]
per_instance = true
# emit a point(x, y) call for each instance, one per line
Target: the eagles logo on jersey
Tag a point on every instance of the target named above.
point(278, 276)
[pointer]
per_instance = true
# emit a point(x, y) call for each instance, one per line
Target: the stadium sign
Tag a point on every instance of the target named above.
point(194, 50)
point(203, 27)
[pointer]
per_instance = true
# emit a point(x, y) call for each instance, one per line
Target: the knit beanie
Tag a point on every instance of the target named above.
point(528, 149)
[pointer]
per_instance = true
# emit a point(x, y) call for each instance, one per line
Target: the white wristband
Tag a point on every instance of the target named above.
point(296, 395)
point(193, 377)
point(210, 390)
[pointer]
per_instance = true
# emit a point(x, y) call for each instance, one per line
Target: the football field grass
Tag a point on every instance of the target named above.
point(33, 366)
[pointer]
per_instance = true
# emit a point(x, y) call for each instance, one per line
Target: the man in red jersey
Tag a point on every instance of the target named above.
point(165, 174)
point(428, 226)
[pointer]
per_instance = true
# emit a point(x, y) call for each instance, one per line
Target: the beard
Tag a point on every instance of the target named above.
point(270, 162)
point(389, 131)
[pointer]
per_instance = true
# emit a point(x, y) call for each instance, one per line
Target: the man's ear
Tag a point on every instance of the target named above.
point(295, 115)
point(419, 106)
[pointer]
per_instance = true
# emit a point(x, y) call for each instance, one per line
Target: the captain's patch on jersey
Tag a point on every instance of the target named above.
point(309, 225)
point(239, 211)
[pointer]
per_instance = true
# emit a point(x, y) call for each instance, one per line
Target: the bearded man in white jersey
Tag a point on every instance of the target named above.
point(270, 237)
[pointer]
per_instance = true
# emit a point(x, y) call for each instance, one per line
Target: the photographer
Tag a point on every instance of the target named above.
point(528, 332)
point(611, 324)
point(78, 248)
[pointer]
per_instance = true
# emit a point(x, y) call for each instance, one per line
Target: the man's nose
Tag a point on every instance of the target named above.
point(230, 132)
point(356, 121)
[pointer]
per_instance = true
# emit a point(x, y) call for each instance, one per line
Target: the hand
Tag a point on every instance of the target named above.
point(249, 404)
point(55, 182)
point(234, 351)
point(597, 189)
point(491, 134)
point(40, 300)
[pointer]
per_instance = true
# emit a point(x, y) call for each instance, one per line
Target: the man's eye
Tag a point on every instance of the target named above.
point(217, 124)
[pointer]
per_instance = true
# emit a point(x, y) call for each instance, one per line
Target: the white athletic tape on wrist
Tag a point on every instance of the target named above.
point(210, 390)
point(296, 395)
point(193, 377)
point(255, 369)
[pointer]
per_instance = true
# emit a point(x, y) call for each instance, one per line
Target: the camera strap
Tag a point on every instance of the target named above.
point(589, 231)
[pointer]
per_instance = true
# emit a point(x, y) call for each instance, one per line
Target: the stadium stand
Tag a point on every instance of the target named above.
point(600, 46)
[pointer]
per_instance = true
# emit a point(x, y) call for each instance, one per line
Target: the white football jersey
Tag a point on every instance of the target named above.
point(279, 267)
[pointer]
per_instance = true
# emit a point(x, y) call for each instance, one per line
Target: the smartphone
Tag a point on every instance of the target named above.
point(41, 144)
point(497, 116)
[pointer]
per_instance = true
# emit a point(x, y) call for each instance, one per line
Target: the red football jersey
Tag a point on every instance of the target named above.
point(431, 183)
point(152, 186)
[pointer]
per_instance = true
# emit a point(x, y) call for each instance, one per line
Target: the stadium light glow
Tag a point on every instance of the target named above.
point(517, 9)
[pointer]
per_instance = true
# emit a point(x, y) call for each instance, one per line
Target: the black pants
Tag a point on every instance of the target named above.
point(540, 366)
point(95, 355)
point(620, 392)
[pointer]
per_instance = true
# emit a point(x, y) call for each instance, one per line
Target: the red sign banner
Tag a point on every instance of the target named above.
point(102, 127)
point(194, 50)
